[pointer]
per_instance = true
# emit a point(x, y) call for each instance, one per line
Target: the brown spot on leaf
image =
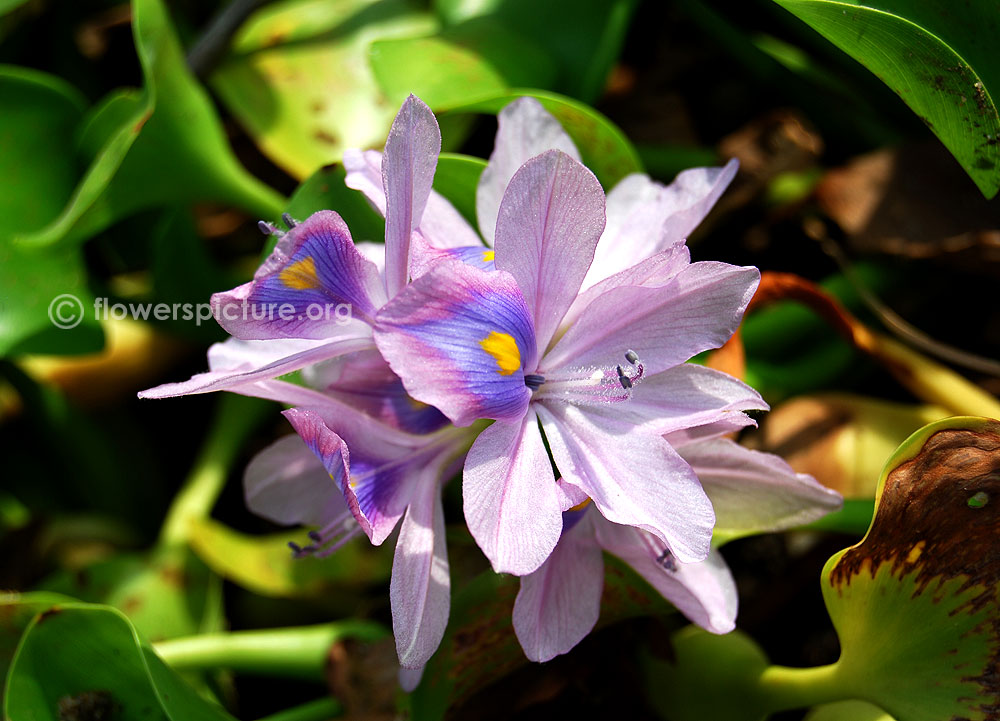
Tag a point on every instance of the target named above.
point(48, 613)
point(87, 706)
point(325, 137)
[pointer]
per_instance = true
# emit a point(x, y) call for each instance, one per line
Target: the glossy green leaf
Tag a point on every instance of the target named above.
point(298, 79)
point(602, 145)
point(37, 175)
point(582, 37)
point(848, 711)
point(939, 57)
point(456, 179)
point(86, 661)
point(264, 564)
point(916, 602)
point(165, 595)
point(325, 190)
point(477, 59)
point(480, 647)
point(16, 612)
point(162, 146)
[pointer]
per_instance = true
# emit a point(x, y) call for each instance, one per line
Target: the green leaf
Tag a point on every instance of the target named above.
point(37, 174)
point(480, 647)
point(456, 179)
point(264, 564)
point(76, 657)
point(938, 57)
point(325, 190)
point(16, 612)
point(915, 603)
point(159, 147)
point(848, 711)
point(474, 60)
point(299, 82)
point(602, 145)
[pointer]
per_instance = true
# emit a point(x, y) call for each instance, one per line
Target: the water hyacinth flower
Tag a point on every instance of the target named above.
point(559, 604)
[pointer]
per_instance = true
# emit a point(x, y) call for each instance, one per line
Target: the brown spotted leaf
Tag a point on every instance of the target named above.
point(915, 603)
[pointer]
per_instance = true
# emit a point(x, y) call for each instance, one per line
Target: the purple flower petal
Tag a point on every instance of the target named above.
point(375, 475)
point(511, 504)
point(524, 129)
point(420, 590)
point(684, 396)
point(704, 591)
point(730, 424)
point(634, 478)
point(549, 222)
point(286, 483)
point(409, 678)
point(237, 364)
point(411, 153)
point(425, 256)
point(461, 338)
point(756, 492)
point(646, 217)
point(315, 284)
point(698, 309)
point(559, 604)
point(441, 225)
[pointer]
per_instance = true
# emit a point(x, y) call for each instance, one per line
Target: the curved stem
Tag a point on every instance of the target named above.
point(781, 688)
point(299, 652)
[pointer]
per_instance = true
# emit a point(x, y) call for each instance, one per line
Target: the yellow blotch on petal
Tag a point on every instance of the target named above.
point(914, 555)
point(503, 348)
point(488, 256)
point(581, 506)
point(301, 275)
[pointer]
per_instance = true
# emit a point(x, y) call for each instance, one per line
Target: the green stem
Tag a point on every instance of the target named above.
point(300, 652)
point(318, 710)
point(780, 688)
point(235, 418)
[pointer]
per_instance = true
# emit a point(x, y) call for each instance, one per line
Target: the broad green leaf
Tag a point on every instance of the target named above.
point(299, 81)
point(16, 612)
point(165, 595)
point(325, 190)
point(602, 145)
point(915, 603)
point(8, 5)
point(480, 647)
point(478, 59)
point(77, 656)
point(456, 179)
point(848, 711)
point(582, 37)
point(37, 174)
point(159, 147)
point(939, 57)
point(264, 564)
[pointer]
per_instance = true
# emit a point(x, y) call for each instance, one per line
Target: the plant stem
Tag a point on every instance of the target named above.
point(300, 652)
point(318, 710)
point(235, 418)
point(781, 688)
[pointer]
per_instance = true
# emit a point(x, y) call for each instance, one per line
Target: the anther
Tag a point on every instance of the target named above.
point(632, 357)
point(666, 559)
point(623, 379)
point(315, 536)
point(296, 548)
point(534, 381)
point(289, 220)
point(264, 227)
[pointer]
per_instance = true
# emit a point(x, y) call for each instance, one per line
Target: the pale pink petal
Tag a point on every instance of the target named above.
point(524, 129)
point(570, 496)
point(364, 173)
point(646, 217)
point(559, 604)
point(733, 423)
point(634, 478)
point(239, 364)
point(411, 153)
point(511, 502)
point(409, 678)
point(286, 483)
point(754, 491)
point(550, 219)
point(420, 590)
point(703, 591)
point(698, 309)
point(685, 396)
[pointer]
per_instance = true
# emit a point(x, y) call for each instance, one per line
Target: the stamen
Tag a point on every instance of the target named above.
point(534, 381)
point(264, 227)
point(666, 559)
point(591, 384)
point(288, 220)
point(328, 539)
